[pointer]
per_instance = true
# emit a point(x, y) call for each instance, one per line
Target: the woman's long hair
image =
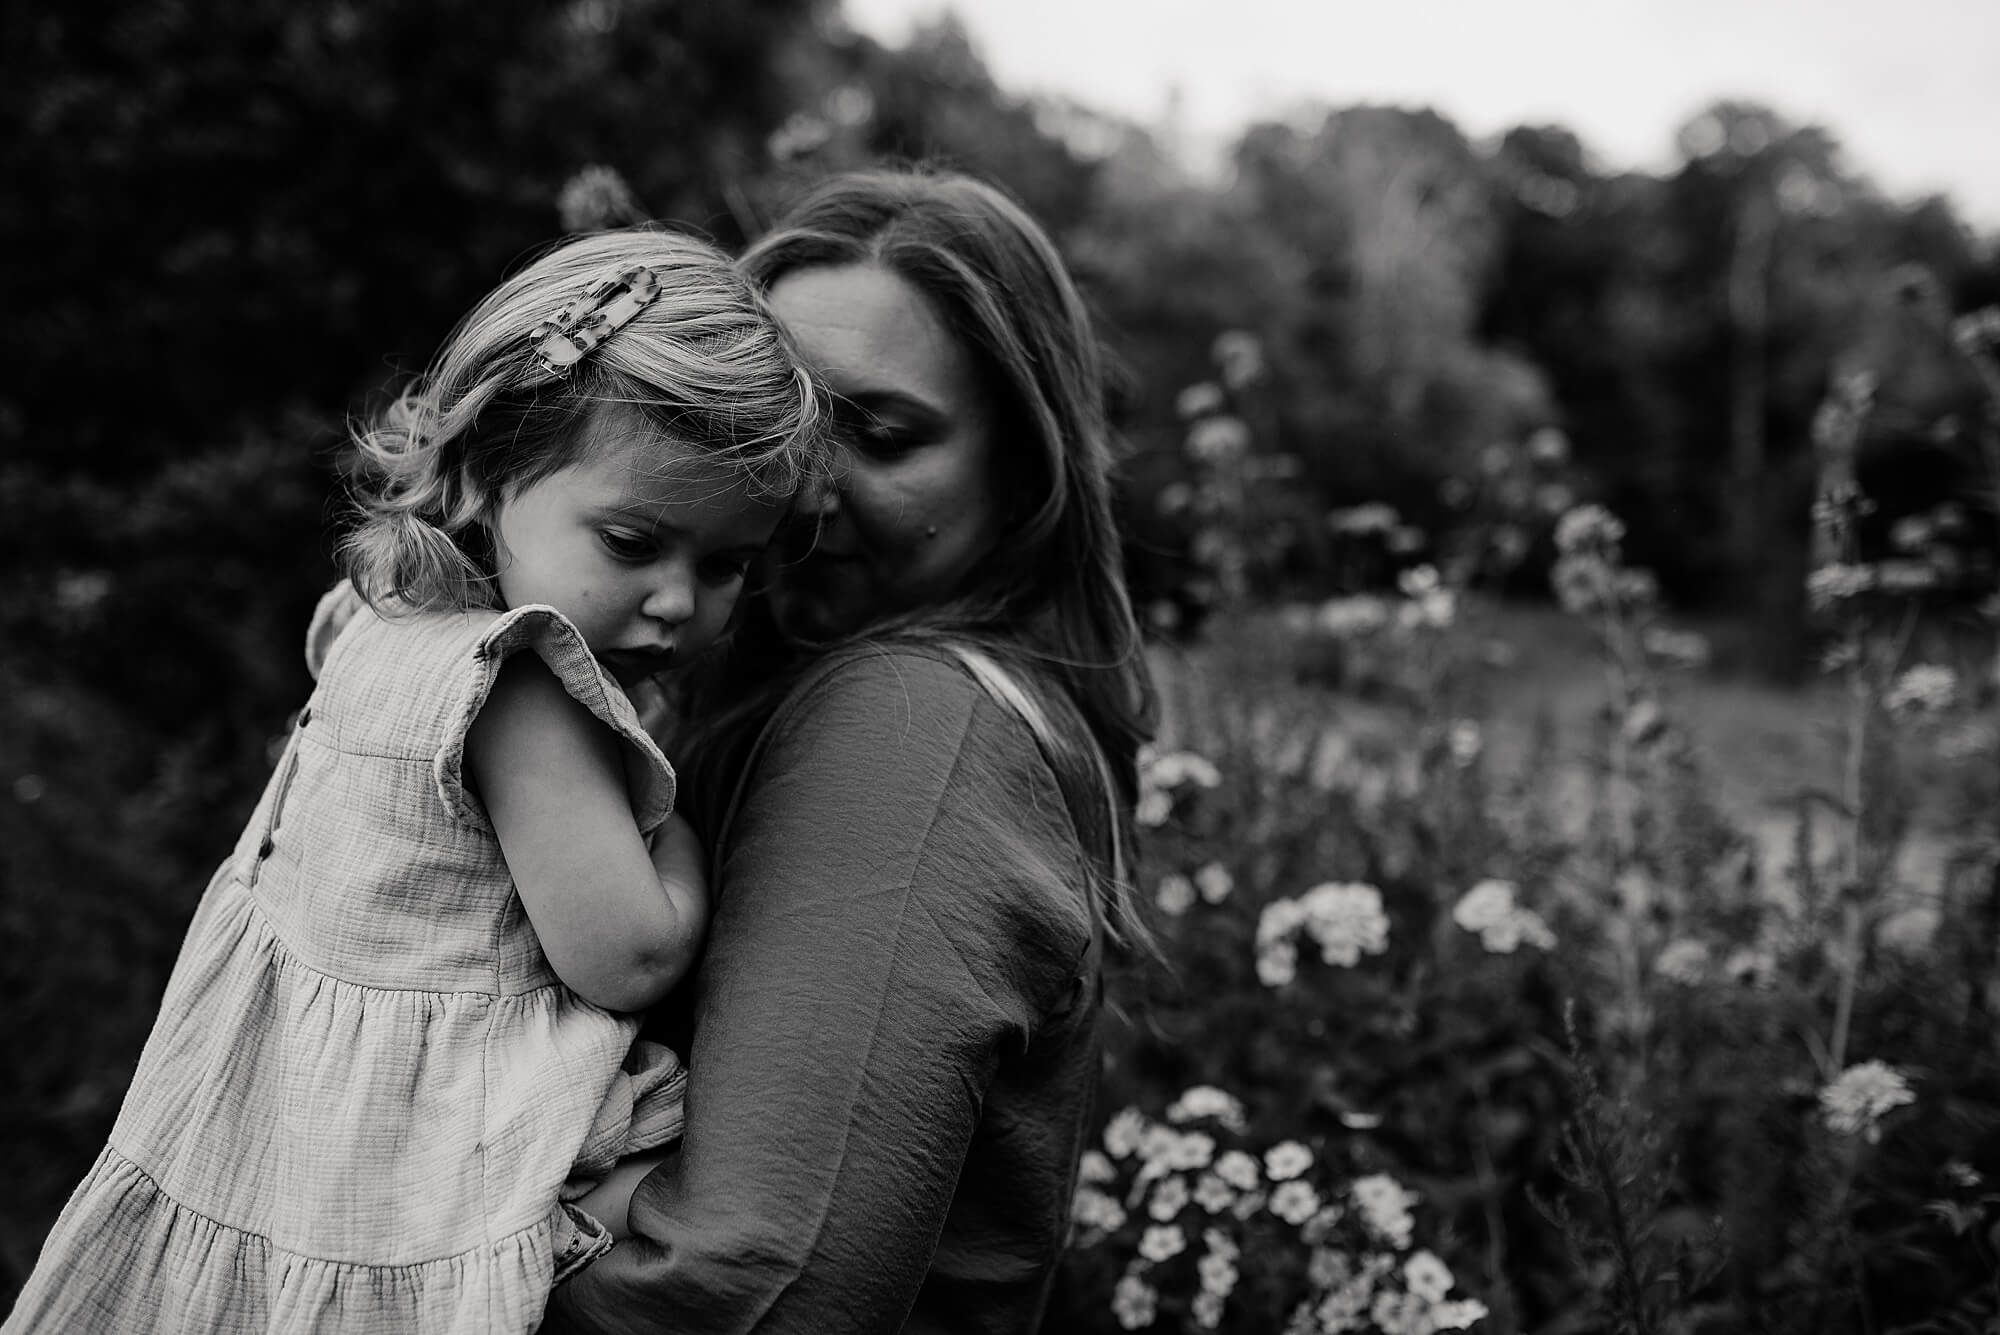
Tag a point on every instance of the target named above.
point(1048, 603)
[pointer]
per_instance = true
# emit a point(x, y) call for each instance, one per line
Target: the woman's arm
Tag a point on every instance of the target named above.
point(620, 923)
point(889, 926)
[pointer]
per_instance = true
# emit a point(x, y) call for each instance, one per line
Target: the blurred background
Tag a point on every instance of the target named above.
point(1381, 298)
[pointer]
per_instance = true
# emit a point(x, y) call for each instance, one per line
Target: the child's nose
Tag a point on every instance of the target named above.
point(671, 598)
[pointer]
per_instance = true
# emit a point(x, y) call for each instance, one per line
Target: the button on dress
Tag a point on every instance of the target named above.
point(366, 1089)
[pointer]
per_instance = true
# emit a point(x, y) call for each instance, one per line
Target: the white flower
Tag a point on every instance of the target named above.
point(1460, 1315)
point(1373, 517)
point(1095, 1209)
point(1199, 399)
point(1175, 895)
point(1465, 741)
point(1418, 581)
point(1239, 1170)
point(1347, 921)
point(1094, 1166)
point(1169, 1198)
point(1486, 903)
point(1856, 1101)
point(1751, 967)
point(1220, 1243)
point(1346, 1308)
point(1240, 356)
point(1153, 809)
point(1683, 961)
point(1279, 919)
point(1488, 909)
point(1176, 768)
point(1190, 1150)
point(1588, 526)
point(1434, 609)
point(1218, 1273)
point(1286, 1160)
point(1294, 1201)
point(1401, 1314)
point(1385, 1206)
point(1206, 1310)
point(1162, 1242)
point(1214, 882)
point(1925, 688)
point(1123, 1132)
point(1218, 439)
point(1548, 446)
point(1212, 1194)
point(1835, 583)
point(1277, 963)
point(1328, 1268)
point(1156, 1145)
point(1427, 1277)
point(1207, 1101)
point(1134, 1302)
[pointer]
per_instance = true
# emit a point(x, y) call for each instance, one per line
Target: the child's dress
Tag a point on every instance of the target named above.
point(366, 1089)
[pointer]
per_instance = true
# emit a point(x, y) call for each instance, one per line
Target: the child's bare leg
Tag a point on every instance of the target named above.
point(610, 1201)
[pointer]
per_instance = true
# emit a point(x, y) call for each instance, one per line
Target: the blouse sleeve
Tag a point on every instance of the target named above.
point(900, 904)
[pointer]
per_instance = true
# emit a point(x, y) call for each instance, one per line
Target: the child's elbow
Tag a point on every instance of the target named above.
point(634, 983)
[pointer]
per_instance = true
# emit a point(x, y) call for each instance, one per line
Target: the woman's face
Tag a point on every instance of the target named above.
point(913, 505)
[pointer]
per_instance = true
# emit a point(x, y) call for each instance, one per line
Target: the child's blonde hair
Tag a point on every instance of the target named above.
point(704, 363)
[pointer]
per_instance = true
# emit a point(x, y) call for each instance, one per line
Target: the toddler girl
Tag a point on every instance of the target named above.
point(398, 1048)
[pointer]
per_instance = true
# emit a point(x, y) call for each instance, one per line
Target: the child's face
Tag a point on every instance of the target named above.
point(643, 545)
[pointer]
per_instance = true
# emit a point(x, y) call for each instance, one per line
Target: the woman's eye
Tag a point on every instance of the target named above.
point(626, 546)
point(879, 439)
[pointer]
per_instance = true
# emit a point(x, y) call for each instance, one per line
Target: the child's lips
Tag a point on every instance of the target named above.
point(638, 664)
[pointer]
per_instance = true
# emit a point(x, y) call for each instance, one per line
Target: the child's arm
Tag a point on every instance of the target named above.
point(620, 923)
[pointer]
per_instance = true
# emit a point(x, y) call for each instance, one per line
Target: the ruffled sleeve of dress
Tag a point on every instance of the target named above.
point(335, 611)
point(549, 635)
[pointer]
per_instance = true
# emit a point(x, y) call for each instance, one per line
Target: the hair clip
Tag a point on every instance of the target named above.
point(605, 307)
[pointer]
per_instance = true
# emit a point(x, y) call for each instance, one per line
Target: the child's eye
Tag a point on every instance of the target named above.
point(626, 546)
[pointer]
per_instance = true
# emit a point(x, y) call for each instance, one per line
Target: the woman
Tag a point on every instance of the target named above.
point(923, 810)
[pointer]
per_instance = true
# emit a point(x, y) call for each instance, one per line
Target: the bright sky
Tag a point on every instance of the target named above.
point(1911, 89)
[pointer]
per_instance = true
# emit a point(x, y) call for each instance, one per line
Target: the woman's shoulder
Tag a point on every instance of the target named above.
point(911, 691)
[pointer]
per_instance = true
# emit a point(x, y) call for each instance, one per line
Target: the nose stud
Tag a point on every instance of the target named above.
point(930, 530)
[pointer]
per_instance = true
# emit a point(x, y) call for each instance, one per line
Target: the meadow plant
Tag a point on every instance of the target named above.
point(1564, 1045)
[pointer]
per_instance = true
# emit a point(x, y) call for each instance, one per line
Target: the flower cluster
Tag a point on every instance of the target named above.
point(1162, 776)
point(1489, 909)
point(1346, 920)
point(1428, 604)
point(1859, 1097)
point(1925, 688)
point(1210, 884)
point(1192, 1203)
point(1590, 575)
